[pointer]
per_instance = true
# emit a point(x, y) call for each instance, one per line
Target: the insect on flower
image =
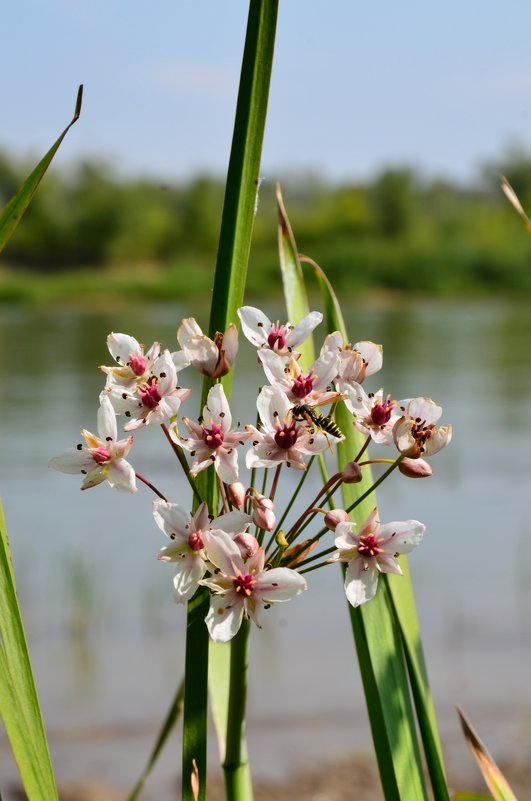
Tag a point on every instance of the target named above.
point(317, 420)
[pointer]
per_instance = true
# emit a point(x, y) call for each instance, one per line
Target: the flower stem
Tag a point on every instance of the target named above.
point(294, 496)
point(376, 484)
point(235, 765)
point(321, 564)
point(275, 482)
point(363, 449)
point(178, 451)
point(150, 485)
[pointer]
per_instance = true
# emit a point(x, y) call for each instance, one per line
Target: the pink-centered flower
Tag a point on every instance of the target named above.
point(281, 437)
point(312, 388)
point(282, 339)
point(187, 541)
point(103, 457)
point(153, 400)
point(211, 440)
point(132, 363)
point(242, 588)
point(356, 362)
point(210, 357)
point(415, 433)
point(375, 415)
point(373, 551)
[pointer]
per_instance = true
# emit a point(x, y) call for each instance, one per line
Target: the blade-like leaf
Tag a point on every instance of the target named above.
point(19, 705)
point(472, 797)
point(167, 727)
point(405, 614)
point(12, 212)
point(237, 221)
point(494, 779)
point(292, 279)
point(378, 644)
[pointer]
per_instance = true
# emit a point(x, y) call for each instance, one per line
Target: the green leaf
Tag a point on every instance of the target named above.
point(472, 797)
point(293, 281)
point(13, 211)
point(243, 176)
point(237, 222)
point(167, 727)
point(376, 635)
point(19, 705)
point(405, 613)
point(494, 778)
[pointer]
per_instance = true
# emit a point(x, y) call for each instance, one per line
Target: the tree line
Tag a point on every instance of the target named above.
point(398, 231)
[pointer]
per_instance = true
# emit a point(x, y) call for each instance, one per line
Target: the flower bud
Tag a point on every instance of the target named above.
point(415, 468)
point(334, 517)
point(263, 514)
point(236, 494)
point(247, 544)
point(351, 473)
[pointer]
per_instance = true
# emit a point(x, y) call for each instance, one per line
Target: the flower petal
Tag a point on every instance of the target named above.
point(120, 474)
point(171, 519)
point(279, 584)
point(255, 325)
point(188, 572)
point(303, 329)
point(224, 616)
point(107, 428)
point(360, 582)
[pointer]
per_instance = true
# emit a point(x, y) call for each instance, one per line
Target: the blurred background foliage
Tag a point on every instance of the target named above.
point(91, 233)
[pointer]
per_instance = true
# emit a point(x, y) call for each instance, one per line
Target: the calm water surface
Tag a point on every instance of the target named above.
point(105, 636)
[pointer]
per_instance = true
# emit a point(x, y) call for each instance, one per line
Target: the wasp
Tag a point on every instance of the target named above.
point(318, 420)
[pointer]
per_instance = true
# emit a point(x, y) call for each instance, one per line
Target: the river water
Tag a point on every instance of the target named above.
point(105, 636)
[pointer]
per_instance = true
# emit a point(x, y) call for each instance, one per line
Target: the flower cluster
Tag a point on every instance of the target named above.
point(247, 571)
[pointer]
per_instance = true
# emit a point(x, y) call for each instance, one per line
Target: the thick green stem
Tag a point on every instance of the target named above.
point(239, 208)
point(235, 766)
point(195, 699)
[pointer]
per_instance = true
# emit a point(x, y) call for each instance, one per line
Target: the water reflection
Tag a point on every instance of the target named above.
point(105, 635)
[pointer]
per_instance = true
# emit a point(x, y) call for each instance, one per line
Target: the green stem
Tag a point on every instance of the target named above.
point(293, 498)
point(235, 766)
point(376, 484)
point(195, 698)
point(178, 451)
point(151, 486)
point(239, 205)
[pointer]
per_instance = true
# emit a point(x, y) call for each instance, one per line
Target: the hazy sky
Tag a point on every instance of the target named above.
point(356, 86)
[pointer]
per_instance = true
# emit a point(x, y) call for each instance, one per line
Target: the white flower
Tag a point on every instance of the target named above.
point(153, 400)
point(242, 588)
point(312, 388)
point(103, 458)
point(415, 433)
point(375, 417)
point(187, 541)
point(373, 551)
point(262, 333)
point(133, 364)
point(211, 441)
point(213, 358)
point(356, 362)
point(281, 438)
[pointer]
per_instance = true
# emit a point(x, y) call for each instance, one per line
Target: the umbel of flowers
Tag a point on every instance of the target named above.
point(238, 551)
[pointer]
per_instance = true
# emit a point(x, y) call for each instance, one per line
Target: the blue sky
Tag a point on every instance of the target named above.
point(356, 86)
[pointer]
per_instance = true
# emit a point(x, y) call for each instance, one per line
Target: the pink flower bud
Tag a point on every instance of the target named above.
point(334, 517)
point(351, 473)
point(415, 468)
point(247, 544)
point(263, 514)
point(236, 493)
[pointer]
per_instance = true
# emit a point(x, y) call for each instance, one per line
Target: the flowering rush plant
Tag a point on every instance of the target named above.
point(241, 548)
